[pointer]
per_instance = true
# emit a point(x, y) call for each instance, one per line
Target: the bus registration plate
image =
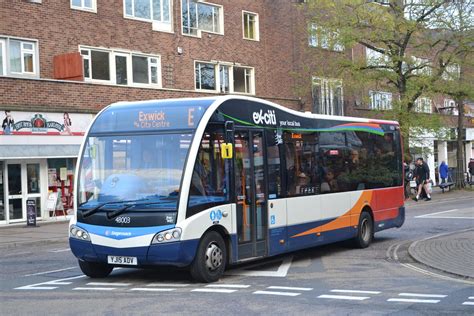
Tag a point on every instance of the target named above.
point(132, 261)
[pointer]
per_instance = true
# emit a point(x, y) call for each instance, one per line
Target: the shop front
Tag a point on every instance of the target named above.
point(38, 155)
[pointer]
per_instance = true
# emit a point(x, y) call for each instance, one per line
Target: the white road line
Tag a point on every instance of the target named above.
point(439, 276)
point(422, 295)
point(412, 300)
point(214, 290)
point(344, 297)
point(280, 273)
point(470, 298)
point(53, 282)
point(276, 293)
point(51, 271)
point(426, 215)
point(168, 284)
point(144, 289)
point(356, 291)
point(108, 284)
point(60, 250)
point(450, 217)
point(36, 288)
point(94, 288)
point(234, 286)
point(468, 303)
point(290, 288)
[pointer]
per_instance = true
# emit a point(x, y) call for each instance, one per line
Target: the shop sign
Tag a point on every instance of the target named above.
point(30, 213)
point(27, 123)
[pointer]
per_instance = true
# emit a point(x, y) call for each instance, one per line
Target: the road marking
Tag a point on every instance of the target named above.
point(412, 300)
point(468, 303)
point(144, 289)
point(280, 273)
point(439, 276)
point(356, 291)
point(449, 211)
point(235, 286)
point(214, 290)
point(168, 284)
point(290, 288)
point(276, 293)
point(449, 217)
point(60, 250)
point(344, 297)
point(51, 271)
point(94, 288)
point(53, 282)
point(422, 295)
point(470, 298)
point(106, 284)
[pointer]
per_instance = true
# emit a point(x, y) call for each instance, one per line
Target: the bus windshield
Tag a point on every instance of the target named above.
point(133, 168)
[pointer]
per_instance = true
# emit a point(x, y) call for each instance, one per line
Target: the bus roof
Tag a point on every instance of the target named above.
point(185, 113)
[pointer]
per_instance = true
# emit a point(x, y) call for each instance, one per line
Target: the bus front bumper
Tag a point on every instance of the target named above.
point(179, 253)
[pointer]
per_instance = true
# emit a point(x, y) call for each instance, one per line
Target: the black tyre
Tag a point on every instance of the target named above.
point(95, 269)
point(211, 258)
point(365, 231)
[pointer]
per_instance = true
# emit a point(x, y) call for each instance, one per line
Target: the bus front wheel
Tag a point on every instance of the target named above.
point(210, 261)
point(365, 231)
point(95, 269)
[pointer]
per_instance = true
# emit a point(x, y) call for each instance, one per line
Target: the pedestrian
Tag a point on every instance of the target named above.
point(422, 174)
point(471, 169)
point(443, 171)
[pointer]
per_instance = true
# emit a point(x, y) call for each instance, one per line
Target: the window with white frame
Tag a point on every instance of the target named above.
point(250, 25)
point(380, 100)
point(423, 66)
point(376, 59)
point(423, 104)
point(199, 16)
point(18, 57)
point(87, 5)
point(451, 72)
point(327, 96)
point(319, 37)
point(120, 67)
point(224, 78)
point(157, 11)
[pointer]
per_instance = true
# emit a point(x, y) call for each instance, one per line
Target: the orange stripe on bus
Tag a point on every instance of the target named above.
point(344, 220)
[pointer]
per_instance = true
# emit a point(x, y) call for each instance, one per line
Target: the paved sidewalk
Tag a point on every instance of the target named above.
point(452, 253)
point(45, 233)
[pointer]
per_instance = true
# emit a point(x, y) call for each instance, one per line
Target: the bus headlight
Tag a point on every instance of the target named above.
point(79, 233)
point(167, 236)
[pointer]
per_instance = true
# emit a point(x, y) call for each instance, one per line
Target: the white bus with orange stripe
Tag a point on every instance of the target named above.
point(208, 182)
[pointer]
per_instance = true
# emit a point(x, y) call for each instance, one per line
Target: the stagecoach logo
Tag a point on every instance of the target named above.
point(268, 118)
point(117, 234)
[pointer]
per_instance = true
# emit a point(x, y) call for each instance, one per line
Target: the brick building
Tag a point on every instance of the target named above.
point(61, 61)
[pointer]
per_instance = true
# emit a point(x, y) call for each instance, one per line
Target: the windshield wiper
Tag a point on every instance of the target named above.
point(89, 212)
point(126, 207)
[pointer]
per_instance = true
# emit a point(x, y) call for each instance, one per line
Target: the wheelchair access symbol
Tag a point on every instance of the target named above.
point(215, 215)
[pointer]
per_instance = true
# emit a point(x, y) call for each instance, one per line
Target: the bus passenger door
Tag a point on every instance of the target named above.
point(251, 197)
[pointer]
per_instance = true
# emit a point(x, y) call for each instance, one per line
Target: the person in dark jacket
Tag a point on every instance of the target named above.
point(443, 171)
point(422, 174)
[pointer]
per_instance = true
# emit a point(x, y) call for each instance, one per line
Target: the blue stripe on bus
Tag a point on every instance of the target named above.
point(120, 233)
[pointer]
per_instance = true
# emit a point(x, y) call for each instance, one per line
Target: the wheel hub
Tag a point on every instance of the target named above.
point(213, 257)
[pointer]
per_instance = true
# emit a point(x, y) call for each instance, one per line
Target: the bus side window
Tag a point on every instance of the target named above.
point(210, 179)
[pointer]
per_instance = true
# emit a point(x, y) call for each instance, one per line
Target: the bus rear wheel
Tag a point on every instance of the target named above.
point(95, 269)
point(365, 231)
point(211, 257)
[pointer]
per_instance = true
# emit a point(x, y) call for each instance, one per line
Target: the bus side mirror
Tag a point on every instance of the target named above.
point(227, 151)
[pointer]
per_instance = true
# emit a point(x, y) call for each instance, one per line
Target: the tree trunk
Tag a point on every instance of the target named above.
point(460, 179)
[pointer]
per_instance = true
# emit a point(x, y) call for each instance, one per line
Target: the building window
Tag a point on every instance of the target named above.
point(422, 66)
point(224, 78)
point(423, 104)
point(250, 24)
point(319, 37)
point(327, 96)
point(380, 100)
point(18, 57)
point(87, 5)
point(121, 67)
point(451, 72)
point(376, 59)
point(157, 11)
point(199, 16)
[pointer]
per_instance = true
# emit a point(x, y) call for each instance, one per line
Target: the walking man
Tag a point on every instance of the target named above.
point(422, 174)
